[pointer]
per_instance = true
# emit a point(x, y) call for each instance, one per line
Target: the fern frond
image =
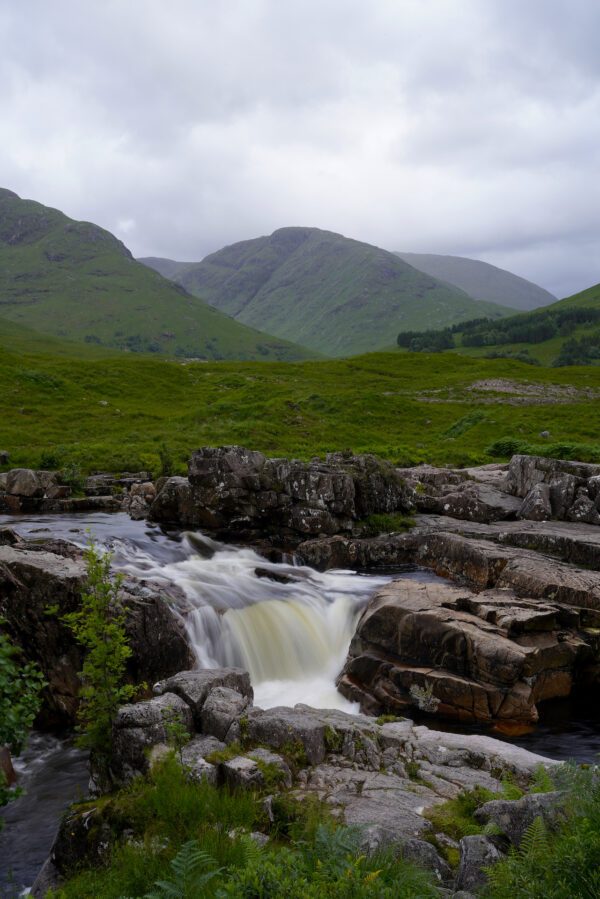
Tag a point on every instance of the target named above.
point(542, 782)
point(252, 851)
point(535, 840)
point(509, 788)
point(189, 874)
point(372, 876)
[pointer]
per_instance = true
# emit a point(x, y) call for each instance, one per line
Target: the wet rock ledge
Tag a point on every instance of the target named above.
point(41, 582)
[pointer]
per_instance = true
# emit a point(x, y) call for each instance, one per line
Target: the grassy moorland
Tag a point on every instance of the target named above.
point(115, 413)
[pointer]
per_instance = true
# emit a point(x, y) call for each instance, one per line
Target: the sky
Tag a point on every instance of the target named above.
point(468, 127)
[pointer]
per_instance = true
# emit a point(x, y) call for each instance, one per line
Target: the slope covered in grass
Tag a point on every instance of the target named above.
point(76, 280)
point(115, 413)
point(15, 338)
point(565, 333)
point(324, 291)
point(481, 280)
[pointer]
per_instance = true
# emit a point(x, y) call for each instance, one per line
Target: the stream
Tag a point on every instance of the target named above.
point(288, 625)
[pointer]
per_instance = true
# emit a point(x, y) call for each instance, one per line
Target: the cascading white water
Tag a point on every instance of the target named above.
point(291, 636)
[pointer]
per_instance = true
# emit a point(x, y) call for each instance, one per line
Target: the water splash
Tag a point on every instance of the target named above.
point(289, 626)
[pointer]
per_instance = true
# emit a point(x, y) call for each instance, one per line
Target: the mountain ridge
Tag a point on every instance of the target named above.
point(336, 295)
point(77, 280)
point(482, 280)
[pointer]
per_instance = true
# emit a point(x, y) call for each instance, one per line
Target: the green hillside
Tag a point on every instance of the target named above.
point(585, 298)
point(564, 333)
point(76, 280)
point(481, 280)
point(329, 293)
point(15, 338)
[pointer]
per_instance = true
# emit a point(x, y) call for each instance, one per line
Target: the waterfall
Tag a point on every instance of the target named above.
point(289, 626)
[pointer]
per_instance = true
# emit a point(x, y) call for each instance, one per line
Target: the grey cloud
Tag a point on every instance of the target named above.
point(426, 126)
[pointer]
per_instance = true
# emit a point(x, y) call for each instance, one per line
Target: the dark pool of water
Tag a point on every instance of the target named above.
point(53, 773)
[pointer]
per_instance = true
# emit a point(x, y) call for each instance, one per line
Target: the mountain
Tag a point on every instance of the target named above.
point(481, 280)
point(332, 294)
point(76, 280)
point(168, 268)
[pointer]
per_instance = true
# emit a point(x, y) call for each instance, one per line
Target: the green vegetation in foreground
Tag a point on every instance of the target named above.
point(74, 279)
point(334, 295)
point(99, 627)
point(121, 414)
point(308, 856)
point(563, 863)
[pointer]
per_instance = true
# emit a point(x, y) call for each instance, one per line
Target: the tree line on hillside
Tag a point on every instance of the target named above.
point(533, 327)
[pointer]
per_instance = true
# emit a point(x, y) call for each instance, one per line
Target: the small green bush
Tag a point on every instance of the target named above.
point(72, 476)
point(381, 523)
point(167, 464)
point(50, 460)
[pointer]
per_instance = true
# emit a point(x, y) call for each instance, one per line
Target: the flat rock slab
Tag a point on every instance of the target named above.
point(572, 542)
point(486, 656)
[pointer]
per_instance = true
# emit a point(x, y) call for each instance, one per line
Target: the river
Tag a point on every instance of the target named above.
point(288, 625)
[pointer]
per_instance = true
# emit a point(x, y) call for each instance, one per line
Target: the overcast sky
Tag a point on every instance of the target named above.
point(469, 127)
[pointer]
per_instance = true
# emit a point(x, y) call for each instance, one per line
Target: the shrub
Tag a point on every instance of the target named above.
point(98, 626)
point(383, 523)
point(72, 476)
point(562, 863)
point(20, 687)
point(50, 460)
point(167, 465)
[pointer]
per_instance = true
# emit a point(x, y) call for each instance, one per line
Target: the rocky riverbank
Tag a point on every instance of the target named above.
point(517, 624)
point(383, 776)
point(520, 540)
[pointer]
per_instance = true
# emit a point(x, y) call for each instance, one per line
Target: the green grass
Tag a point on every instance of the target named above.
point(334, 295)
point(455, 816)
point(308, 856)
point(116, 413)
point(76, 280)
point(381, 523)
